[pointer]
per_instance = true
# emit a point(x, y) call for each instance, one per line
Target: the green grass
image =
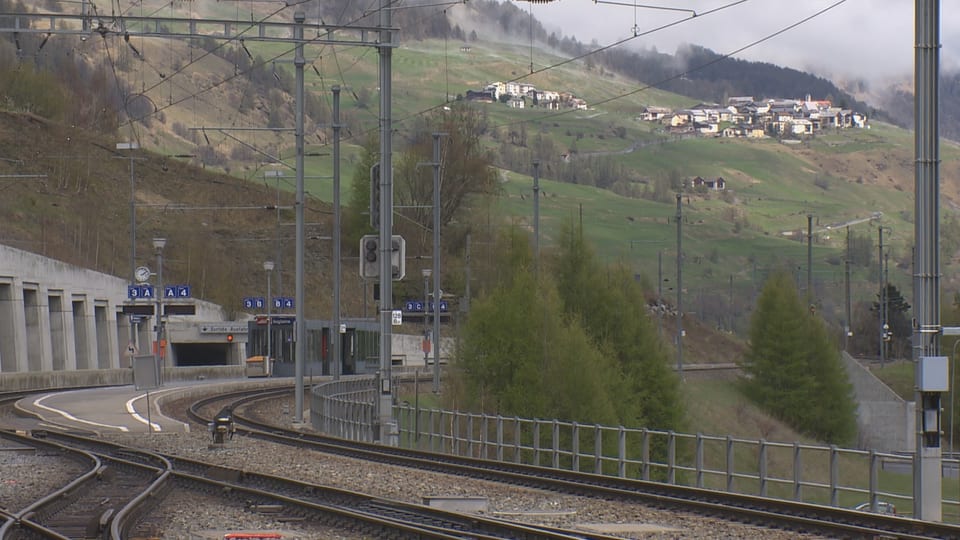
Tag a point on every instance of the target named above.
point(899, 376)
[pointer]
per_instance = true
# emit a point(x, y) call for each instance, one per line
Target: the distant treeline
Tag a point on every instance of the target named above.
point(899, 104)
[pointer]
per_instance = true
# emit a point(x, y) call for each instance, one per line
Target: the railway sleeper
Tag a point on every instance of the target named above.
point(224, 474)
point(267, 508)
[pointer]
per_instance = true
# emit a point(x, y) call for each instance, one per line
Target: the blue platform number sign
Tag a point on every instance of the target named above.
point(140, 292)
point(419, 306)
point(253, 302)
point(283, 302)
point(176, 291)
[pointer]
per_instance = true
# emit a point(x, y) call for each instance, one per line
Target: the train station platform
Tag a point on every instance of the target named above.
point(125, 408)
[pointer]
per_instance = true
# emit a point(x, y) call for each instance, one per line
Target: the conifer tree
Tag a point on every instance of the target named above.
point(793, 368)
point(522, 357)
point(611, 307)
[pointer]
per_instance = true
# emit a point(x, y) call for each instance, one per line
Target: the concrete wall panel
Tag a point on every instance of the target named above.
point(11, 323)
point(884, 419)
point(103, 330)
point(32, 313)
point(58, 342)
point(83, 337)
point(69, 317)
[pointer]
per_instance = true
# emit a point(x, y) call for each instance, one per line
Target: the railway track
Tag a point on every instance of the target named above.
point(86, 507)
point(291, 499)
point(384, 518)
point(775, 513)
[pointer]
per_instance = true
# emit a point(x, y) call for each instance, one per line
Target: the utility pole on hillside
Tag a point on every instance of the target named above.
point(679, 287)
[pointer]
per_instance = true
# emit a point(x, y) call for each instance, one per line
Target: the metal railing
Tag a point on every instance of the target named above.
point(820, 474)
point(345, 408)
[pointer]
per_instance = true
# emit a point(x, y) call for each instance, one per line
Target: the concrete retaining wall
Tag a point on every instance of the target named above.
point(885, 421)
point(54, 380)
point(409, 348)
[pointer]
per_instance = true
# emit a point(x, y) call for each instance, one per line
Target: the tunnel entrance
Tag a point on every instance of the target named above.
point(201, 354)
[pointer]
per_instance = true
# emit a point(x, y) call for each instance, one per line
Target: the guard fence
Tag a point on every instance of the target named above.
point(812, 473)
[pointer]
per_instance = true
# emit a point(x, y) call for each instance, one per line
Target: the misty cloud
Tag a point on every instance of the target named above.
point(860, 39)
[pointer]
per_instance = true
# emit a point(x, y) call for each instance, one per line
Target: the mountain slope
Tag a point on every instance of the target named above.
point(198, 103)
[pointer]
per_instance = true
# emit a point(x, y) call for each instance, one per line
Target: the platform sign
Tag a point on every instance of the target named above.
point(146, 374)
point(140, 292)
point(176, 291)
point(396, 317)
point(253, 302)
point(283, 302)
point(419, 306)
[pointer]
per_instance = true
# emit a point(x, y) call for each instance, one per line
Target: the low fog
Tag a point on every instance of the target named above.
point(865, 40)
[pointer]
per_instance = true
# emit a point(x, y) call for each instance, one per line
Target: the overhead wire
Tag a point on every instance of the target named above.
point(226, 42)
point(194, 95)
point(596, 51)
point(617, 43)
point(239, 35)
point(647, 86)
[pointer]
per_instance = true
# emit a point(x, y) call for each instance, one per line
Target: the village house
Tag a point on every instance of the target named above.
point(707, 128)
point(518, 95)
point(497, 89)
point(482, 96)
point(679, 118)
point(714, 184)
point(654, 114)
point(755, 119)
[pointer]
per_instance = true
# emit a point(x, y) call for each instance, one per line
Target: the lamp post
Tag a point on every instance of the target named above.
point(883, 296)
point(158, 245)
point(268, 266)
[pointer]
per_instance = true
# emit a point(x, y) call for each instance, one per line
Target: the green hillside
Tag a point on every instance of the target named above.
point(730, 239)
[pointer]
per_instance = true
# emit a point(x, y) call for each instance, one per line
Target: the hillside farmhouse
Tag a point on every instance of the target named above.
point(712, 184)
point(745, 117)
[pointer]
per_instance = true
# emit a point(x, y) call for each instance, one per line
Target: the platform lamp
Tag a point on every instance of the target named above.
point(158, 245)
point(268, 266)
